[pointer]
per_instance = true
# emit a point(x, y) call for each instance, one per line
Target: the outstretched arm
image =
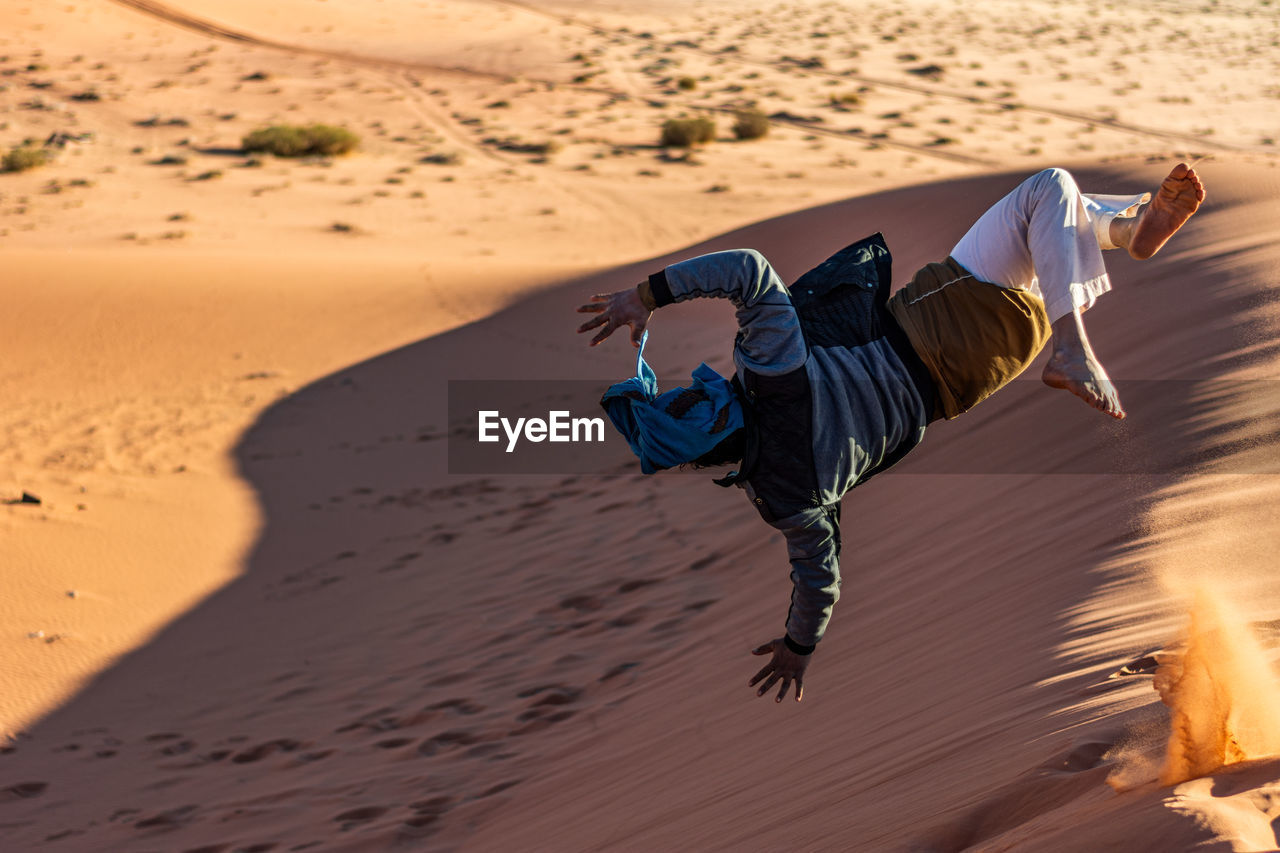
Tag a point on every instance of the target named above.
point(769, 339)
point(813, 545)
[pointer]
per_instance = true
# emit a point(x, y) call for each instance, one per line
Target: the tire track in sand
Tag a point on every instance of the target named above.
point(214, 30)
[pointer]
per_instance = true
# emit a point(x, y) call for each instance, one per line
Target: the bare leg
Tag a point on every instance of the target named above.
point(1179, 196)
point(1074, 367)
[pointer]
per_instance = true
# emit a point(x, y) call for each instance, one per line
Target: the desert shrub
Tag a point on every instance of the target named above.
point(931, 71)
point(688, 84)
point(23, 158)
point(687, 132)
point(750, 124)
point(290, 140)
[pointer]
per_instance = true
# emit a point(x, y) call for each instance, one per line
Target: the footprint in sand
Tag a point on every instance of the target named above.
point(626, 620)
point(539, 722)
point(66, 833)
point(162, 736)
point(428, 812)
point(498, 788)
point(465, 707)
point(263, 750)
point(582, 603)
point(540, 714)
point(632, 586)
point(170, 819)
point(621, 668)
point(703, 562)
point(354, 817)
point(23, 791)
point(447, 740)
point(394, 743)
point(179, 748)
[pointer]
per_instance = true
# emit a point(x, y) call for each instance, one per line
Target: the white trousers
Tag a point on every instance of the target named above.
point(1047, 237)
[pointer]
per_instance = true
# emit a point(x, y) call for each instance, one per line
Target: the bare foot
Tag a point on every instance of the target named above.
point(1082, 375)
point(1179, 196)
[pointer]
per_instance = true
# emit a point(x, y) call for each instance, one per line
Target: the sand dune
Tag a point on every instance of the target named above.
point(412, 655)
point(254, 611)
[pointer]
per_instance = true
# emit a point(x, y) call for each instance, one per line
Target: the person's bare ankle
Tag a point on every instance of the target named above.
point(1120, 231)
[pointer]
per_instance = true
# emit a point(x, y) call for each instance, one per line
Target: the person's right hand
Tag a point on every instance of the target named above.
point(784, 664)
point(614, 311)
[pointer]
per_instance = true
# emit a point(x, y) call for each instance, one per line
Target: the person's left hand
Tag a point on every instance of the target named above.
point(785, 665)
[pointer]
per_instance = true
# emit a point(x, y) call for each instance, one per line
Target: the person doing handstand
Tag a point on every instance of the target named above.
point(836, 380)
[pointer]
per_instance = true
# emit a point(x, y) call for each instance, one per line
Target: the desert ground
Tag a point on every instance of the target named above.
point(245, 606)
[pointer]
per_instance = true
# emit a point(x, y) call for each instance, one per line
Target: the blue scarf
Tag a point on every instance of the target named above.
point(676, 427)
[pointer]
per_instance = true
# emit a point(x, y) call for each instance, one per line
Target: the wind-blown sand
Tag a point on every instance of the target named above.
point(292, 629)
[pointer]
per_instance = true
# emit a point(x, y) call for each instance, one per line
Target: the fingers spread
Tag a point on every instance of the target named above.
point(593, 322)
point(782, 691)
point(604, 333)
point(768, 668)
point(769, 682)
point(591, 308)
point(763, 650)
point(799, 689)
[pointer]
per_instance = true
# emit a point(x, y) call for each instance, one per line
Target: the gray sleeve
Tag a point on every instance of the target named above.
point(769, 338)
point(813, 546)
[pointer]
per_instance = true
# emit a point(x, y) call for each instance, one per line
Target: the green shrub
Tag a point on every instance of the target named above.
point(687, 132)
point(751, 124)
point(289, 140)
point(330, 141)
point(24, 158)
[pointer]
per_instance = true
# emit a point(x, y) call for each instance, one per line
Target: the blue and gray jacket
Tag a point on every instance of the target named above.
point(833, 394)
